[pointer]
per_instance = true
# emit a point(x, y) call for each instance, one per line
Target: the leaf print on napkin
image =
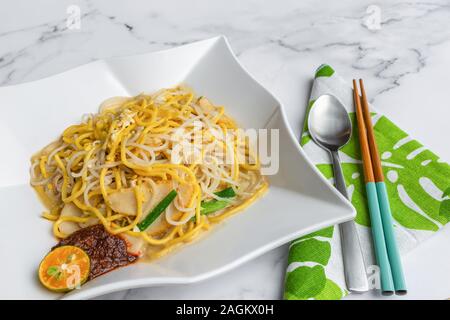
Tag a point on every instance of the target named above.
point(444, 210)
point(305, 282)
point(421, 178)
point(311, 250)
point(326, 233)
point(324, 71)
point(414, 177)
point(331, 291)
point(306, 137)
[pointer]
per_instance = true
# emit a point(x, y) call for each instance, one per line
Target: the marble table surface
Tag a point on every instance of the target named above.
point(401, 49)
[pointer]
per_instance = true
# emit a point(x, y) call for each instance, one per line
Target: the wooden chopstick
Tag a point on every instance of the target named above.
point(376, 162)
point(383, 199)
point(387, 285)
point(365, 151)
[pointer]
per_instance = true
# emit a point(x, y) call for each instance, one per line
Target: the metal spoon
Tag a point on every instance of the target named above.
point(330, 127)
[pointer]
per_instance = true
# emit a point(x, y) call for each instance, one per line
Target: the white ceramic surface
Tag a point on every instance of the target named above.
point(299, 200)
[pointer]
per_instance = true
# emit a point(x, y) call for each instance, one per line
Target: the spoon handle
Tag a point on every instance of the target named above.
point(339, 180)
point(354, 267)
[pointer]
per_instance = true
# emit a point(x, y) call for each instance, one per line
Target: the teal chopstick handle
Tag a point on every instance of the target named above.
point(391, 243)
point(387, 284)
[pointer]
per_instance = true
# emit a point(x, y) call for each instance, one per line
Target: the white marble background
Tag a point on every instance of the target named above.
point(405, 64)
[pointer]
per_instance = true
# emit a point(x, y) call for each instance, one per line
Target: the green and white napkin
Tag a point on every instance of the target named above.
point(418, 183)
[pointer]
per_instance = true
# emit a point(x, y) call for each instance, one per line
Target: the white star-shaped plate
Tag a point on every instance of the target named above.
point(299, 200)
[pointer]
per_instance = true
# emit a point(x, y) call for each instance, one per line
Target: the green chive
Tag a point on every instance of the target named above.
point(156, 212)
point(211, 206)
point(226, 193)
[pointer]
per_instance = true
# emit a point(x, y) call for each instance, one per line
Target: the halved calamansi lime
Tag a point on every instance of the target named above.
point(64, 268)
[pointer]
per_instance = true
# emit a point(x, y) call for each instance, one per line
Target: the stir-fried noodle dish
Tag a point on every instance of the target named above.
point(155, 170)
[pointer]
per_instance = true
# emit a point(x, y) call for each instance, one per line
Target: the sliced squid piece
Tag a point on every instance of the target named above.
point(185, 192)
point(179, 212)
point(135, 245)
point(70, 210)
point(161, 191)
point(91, 221)
point(124, 200)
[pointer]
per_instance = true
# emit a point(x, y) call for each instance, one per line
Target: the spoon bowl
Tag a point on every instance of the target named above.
point(329, 124)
